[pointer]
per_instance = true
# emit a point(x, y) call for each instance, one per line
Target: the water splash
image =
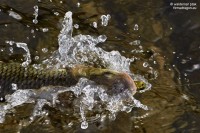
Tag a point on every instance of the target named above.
point(81, 49)
point(65, 39)
point(27, 55)
point(105, 19)
point(19, 97)
point(91, 98)
point(24, 46)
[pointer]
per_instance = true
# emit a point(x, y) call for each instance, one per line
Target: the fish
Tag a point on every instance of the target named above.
point(14, 76)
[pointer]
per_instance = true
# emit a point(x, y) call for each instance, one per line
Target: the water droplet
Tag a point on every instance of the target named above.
point(94, 24)
point(32, 31)
point(112, 117)
point(136, 42)
point(1, 99)
point(44, 50)
point(70, 124)
point(56, 13)
point(10, 42)
point(105, 19)
point(14, 86)
point(35, 21)
point(145, 64)
point(140, 47)
point(102, 38)
point(127, 109)
point(84, 125)
point(78, 4)
point(183, 61)
point(14, 15)
point(11, 49)
point(184, 96)
point(37, 57)
point(44, 29)
point(76, 26)
point(196, 66)
point(136, 27)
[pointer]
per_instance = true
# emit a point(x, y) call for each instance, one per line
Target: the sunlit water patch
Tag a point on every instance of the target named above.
point(87, 100)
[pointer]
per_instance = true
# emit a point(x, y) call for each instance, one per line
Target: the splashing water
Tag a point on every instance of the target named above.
point(24, 46)
point(81, 49)
point(27, 56)
point(90, 98)
point(105, 19)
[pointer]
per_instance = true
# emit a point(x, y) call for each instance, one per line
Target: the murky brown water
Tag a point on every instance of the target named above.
point(171, 35)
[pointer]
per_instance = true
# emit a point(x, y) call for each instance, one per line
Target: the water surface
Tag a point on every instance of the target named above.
point(163, 42)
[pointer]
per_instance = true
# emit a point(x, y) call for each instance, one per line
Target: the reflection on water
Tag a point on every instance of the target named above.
point(162, 45)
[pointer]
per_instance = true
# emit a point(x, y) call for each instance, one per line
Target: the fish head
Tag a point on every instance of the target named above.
point(116, 82)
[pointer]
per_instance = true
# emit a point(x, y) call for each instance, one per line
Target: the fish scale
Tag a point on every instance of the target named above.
point(31, 78)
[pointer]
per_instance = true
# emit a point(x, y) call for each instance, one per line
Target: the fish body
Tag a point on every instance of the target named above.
point(14, 76)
